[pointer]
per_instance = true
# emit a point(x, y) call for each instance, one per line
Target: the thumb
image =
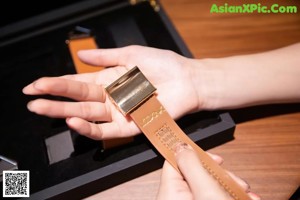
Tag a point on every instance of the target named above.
point(113, 57)
point(101, 57)
point(201, 183)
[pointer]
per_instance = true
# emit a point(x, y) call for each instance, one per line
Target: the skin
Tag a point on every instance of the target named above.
point(183, 86)
point(92, 103)
point(194, 182)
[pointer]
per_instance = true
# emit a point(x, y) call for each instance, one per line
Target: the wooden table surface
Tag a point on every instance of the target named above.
point(266, 148)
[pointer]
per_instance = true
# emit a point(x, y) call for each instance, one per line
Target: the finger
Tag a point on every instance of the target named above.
point(172, 185)
point(199, 180)
point(80, 91)
point(254, 196)
point(170, 172)
point(85, 128)
point(240, 181)
point(216, 158)
point(98, 131)
point(103, 77)
point(83, 77)
point(104, 57)
point(58, 109)
point(128, 56)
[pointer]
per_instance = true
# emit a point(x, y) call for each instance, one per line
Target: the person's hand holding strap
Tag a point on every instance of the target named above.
point(194, 182)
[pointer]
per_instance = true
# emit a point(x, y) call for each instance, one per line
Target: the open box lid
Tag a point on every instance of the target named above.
point(49, 15)
point(45, 14)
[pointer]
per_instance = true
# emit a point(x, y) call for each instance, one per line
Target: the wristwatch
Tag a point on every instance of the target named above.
point(135, 96)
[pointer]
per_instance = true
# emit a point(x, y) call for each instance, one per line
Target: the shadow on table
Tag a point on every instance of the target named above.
point(257, 112)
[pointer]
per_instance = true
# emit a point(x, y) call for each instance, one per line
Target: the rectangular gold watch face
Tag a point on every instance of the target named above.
point(130, 90)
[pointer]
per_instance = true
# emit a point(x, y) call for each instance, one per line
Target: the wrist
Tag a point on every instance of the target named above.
point(207, 79)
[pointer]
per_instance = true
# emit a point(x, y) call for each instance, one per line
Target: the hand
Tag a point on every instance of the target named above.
point(168, 71)
point(194, 182)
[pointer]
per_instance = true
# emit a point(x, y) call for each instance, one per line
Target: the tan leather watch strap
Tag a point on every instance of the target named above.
point(78, 44)
point(134, 95)
point(84, 41)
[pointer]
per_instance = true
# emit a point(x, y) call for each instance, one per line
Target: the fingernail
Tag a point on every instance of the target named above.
point(27, 89)
point(254, 196)
point(247, 185)
point(217, 158)
point(37, 85)
point(24, 90)
point(181, 146)
point(29, 105)
point(81, 53)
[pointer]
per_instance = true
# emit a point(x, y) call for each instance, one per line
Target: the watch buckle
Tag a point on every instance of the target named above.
point(130, 90)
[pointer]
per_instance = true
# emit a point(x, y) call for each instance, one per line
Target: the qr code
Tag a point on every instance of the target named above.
point(15, 183)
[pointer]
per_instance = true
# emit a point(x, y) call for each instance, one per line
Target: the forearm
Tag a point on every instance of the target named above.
point(240, 81)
